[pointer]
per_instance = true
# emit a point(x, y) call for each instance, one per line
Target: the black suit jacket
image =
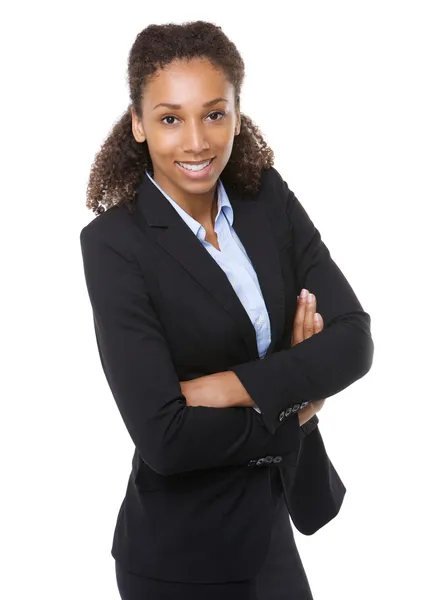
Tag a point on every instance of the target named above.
point(198, 502)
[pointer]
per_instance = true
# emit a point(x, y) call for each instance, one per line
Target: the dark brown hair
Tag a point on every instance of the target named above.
point(120, 164)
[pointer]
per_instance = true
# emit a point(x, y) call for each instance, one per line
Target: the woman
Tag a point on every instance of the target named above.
point(193, 266)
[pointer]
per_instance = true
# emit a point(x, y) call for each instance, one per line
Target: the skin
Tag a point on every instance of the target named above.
point(192, 133)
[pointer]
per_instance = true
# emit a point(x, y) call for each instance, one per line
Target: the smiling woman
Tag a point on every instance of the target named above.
point(190, 147)
point(192, 267)
point(185, 84)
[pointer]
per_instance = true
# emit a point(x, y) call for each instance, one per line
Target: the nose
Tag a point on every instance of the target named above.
point(194, 138)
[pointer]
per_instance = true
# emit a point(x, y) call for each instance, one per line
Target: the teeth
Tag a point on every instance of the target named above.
point(195, 167)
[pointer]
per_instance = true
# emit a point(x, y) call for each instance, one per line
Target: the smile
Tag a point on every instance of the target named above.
point(199, 171)
point(192, 167)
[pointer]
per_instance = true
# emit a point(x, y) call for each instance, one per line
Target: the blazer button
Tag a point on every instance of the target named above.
point(268, 459)
point(278, 459)
point(260, 462)
point(281, 416)
point(304, 404)
point(296, 407)
point(288, 412)
point(252, 463)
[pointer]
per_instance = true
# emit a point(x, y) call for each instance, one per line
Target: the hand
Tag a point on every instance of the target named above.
point(304, 327)
point(210, 390)
point(304, 324)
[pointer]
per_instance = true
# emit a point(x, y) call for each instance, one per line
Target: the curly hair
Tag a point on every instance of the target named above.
point(120, 164)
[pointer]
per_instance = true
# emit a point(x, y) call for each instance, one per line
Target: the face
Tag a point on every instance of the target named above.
point(201, 125)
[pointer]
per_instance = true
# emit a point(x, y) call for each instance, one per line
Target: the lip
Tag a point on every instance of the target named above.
point(197, 174)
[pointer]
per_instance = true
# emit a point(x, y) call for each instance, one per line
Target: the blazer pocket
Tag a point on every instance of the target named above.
point(148, 480)
point(190, 482)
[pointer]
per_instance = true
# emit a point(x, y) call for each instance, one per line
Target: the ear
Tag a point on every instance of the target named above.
point(238, 124)
point(137, 129)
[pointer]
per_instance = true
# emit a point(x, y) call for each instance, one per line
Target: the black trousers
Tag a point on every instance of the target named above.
point(282, 576)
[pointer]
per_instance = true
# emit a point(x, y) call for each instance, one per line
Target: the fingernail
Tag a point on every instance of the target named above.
point(310, 298)
point(316, 317)
point(303, 293)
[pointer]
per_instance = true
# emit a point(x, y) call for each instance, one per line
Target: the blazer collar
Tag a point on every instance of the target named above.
point(167, 228)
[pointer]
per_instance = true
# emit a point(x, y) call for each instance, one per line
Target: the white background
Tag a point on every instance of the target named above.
point(337, 88)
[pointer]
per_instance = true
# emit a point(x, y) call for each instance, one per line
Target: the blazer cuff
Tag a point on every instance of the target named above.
point(309, 426)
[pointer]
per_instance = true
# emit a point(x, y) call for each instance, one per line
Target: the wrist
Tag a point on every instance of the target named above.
point(306, 413)
point(235, 394)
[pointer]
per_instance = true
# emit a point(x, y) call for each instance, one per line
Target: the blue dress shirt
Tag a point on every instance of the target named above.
point(234, 262)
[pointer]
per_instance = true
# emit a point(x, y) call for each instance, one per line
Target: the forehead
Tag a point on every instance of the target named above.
point(187, 82)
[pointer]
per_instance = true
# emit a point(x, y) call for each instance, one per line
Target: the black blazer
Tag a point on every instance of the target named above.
point(197, 506)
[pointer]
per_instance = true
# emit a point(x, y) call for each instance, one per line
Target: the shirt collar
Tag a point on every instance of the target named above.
point(223, 206)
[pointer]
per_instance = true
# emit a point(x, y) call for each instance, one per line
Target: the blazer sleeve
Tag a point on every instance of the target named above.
point(170, 436)
point(329, 361)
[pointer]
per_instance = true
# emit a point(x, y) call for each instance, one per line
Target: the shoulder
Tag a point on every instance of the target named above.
point(274, 191)
point(272, 182)
point(114, 227)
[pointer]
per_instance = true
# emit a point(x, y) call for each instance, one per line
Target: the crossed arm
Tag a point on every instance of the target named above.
point(225, 390)
point(136, 359)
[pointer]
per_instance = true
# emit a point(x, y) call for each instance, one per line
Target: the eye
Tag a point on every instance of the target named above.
point(216, 112)
point(168, 117)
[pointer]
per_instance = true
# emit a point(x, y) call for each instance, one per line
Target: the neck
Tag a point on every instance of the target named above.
point(201, 207)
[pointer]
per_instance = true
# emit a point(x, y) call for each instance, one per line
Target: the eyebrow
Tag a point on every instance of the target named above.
point(178, 106)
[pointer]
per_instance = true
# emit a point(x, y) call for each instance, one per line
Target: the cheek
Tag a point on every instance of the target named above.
point(228, 144)
point(222, 139)
point(226, 134)
point(161, 149)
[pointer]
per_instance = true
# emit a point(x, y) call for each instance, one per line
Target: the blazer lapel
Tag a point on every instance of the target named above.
point(251, 224)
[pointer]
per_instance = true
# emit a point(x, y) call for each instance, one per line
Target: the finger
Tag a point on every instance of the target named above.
point(308, 325)
point(318, 323)
point(299, 319)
